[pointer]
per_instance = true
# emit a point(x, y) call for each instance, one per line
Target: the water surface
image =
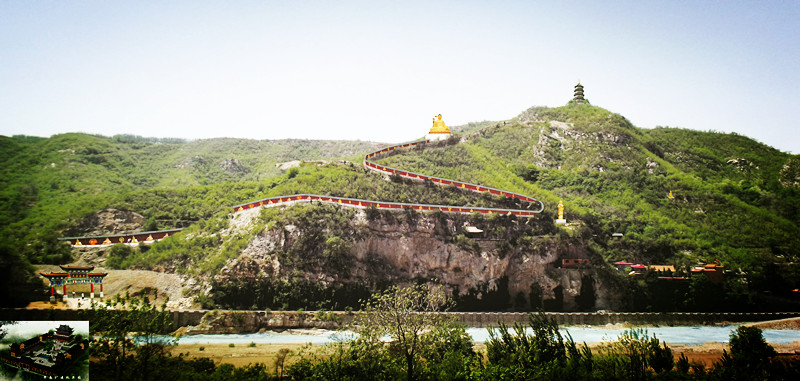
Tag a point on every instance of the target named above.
point(685, 335)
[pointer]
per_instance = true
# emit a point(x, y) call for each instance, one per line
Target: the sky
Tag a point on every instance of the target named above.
point(380, 70)
point(26, 329)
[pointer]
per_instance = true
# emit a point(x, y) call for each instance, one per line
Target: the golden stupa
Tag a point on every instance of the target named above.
point(439, 130)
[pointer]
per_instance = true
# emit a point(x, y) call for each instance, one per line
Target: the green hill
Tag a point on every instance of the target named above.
point(49, 186)
point(735, 201)
point(614, 177)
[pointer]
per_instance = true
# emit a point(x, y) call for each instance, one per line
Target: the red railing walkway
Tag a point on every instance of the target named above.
point(146, 237)
point(352, 202)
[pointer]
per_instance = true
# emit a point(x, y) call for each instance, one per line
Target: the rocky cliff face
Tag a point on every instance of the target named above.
point(510, 259)
point(110, 221)
point(228, 322)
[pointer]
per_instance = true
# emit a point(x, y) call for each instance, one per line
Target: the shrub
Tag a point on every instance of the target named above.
point(749, 356)
point(633, 355)
point(536, 351)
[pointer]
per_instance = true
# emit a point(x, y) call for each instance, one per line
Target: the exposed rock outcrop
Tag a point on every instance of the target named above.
point(110, 221)
point(221, 322)
point(233, 166)
point(432, 248)
point(790, 173)
point(192, 162)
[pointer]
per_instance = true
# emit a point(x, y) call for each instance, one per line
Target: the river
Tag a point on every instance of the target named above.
point(684, 335)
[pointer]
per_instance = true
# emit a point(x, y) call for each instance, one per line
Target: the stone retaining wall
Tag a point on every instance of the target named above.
point(252, 321)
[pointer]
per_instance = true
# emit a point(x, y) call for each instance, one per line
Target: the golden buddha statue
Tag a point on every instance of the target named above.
point(560, 210)
point(438, 126)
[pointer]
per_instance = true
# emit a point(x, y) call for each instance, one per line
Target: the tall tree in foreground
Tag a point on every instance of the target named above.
point(750, 358)
point(421, 344)
point(119, 356)
point(405, 314)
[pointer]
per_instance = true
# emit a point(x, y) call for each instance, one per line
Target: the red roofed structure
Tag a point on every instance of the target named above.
point(622, 265)
point(713, 272)
point(639, 268)
point(74, 275)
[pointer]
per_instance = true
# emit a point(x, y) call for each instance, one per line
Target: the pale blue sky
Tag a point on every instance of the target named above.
point(380, 71)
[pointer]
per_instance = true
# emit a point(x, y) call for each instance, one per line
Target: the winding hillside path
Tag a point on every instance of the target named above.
point(360, 203)
point(147, 237)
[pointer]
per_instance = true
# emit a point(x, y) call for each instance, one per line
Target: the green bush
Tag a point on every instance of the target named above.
point(117, 255)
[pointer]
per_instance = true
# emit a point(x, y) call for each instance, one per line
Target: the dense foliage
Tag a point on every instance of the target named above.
point(429, 347)
point(114, 355)
point(539, 351)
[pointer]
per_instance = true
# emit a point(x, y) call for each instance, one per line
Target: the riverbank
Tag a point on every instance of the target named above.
point(790, 323)
point(703, 345)
point(243, 354)
point(195, 322)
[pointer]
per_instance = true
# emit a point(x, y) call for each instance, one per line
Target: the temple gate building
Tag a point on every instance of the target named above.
point(74, 275)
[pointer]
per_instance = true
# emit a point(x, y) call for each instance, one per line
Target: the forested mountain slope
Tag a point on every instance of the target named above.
point(734, 201)
point(50, 186)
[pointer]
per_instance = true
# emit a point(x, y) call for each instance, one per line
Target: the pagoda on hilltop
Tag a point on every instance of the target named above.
point(578, 98)
point(439, 130)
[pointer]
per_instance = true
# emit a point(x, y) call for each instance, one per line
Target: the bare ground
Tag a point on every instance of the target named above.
point(242, 354)
point(132, 282)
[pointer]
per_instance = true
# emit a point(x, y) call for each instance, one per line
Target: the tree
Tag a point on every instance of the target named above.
point(749, 356)
point(148, 322)
point(280, 359)
point(151, 224)
point(423, 345)
point(536, 296)
point(747, 343)
point(4, 331)
point(704, 295)
point(117, 254)
point(405, 314)
point(18, 285)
